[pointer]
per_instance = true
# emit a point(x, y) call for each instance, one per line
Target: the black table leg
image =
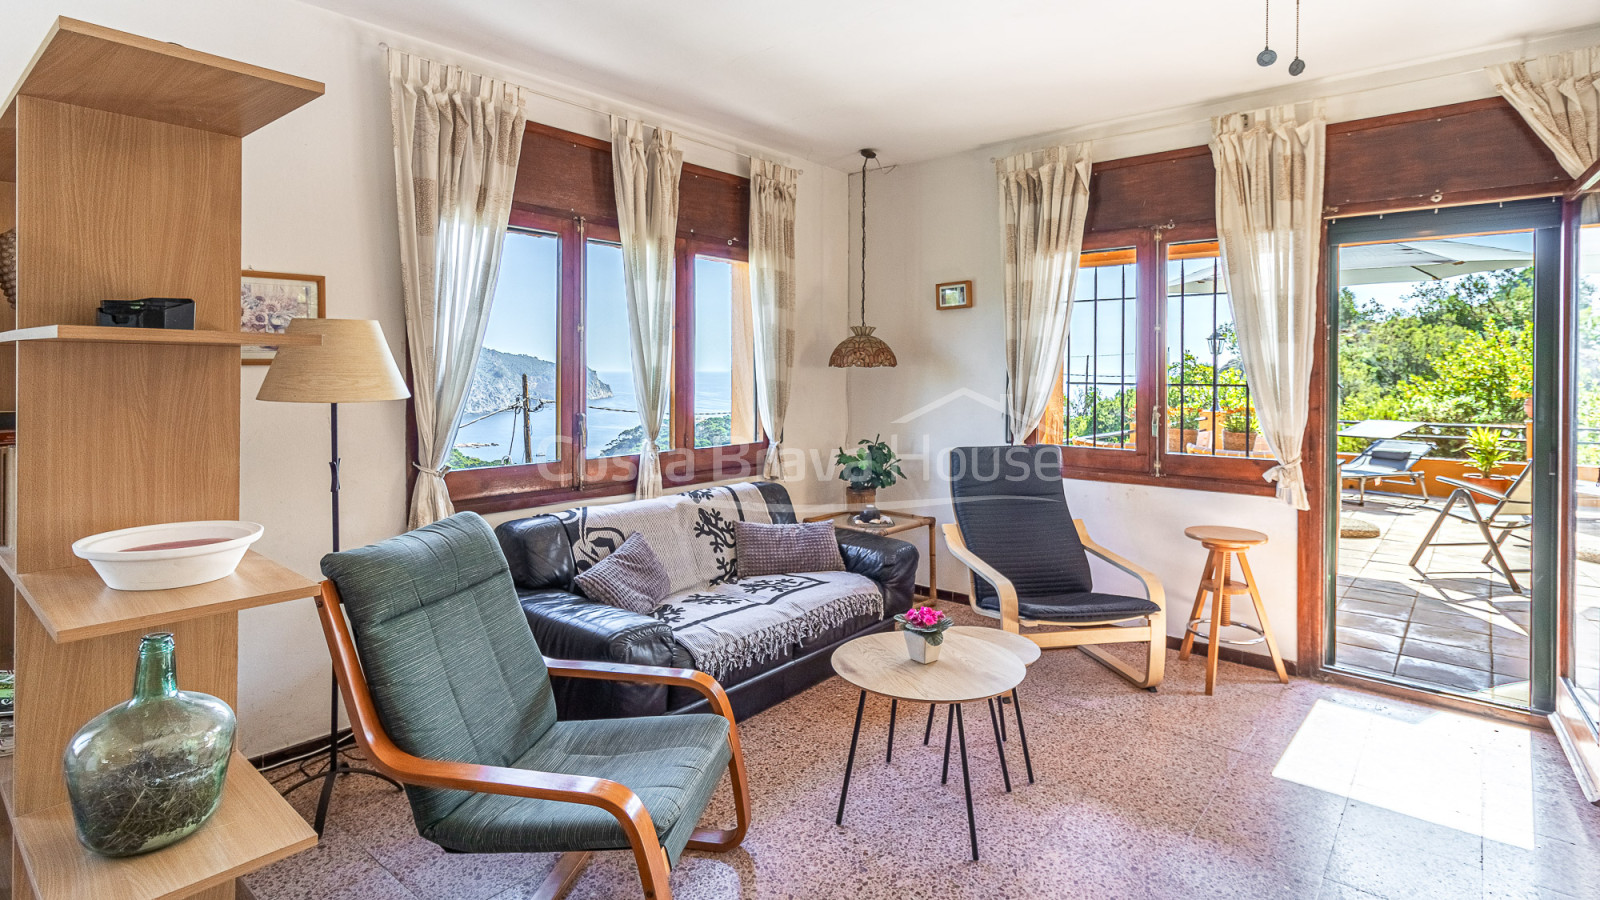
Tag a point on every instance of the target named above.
point(1016, 705)
point(949, 725)
point(850, 762)
point(966, 782)
point(1001, 700)
point(999, 747)
point(894, 706)
point(928, 732)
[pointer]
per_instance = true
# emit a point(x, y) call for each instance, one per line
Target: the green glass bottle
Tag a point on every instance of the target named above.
point(149, 772)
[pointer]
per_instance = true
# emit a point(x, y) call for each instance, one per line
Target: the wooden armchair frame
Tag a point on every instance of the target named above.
point(614, 798)
point(1082, 635)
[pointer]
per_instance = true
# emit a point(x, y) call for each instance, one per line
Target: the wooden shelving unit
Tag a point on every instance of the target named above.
point(99, 334)
point(120, 170)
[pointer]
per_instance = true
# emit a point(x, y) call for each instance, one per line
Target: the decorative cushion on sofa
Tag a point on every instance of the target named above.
point(781, 549)
point(632, 577)
point(692, 533)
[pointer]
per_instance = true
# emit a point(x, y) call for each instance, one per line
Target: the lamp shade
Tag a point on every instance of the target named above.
point(352, 365)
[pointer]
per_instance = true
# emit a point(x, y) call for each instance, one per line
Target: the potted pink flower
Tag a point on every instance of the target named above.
point(924, 627)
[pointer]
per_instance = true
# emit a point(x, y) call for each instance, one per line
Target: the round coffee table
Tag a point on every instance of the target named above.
point(969, 669)
point(1028, 653)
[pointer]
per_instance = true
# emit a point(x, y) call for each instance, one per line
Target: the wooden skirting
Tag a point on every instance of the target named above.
point(278, 757)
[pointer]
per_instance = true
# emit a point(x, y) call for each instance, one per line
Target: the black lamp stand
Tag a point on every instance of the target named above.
point(336, 766)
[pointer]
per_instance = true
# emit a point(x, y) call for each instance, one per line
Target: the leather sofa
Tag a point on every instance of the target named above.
point(567, 625)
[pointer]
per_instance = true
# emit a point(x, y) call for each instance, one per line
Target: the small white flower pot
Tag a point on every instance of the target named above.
point(919, 649)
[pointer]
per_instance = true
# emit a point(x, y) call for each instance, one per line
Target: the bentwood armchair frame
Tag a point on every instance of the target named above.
point(610, 796)
point(1082, 635)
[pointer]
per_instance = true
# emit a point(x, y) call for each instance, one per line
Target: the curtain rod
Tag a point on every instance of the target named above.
point(688, 136)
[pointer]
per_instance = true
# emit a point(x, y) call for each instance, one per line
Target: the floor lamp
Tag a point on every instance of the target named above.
point(352, 365)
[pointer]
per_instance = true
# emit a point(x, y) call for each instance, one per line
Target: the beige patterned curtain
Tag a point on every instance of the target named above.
point(773, 190)
point(646, 176)
point(457, 140)
point(1269, 221)
point(1559, 96)
point(1044, 197)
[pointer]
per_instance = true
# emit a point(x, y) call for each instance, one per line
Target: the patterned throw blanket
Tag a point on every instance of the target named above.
point(725, 624)
point(743, 623)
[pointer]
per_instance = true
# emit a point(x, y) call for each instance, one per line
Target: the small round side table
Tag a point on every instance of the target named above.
point(1027, 653)
point(1225, 543)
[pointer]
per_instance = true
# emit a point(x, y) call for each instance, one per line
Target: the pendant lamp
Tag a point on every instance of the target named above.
point(861, 349)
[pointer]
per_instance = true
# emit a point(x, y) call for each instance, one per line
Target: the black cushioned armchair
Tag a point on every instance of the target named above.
point(1030, 564)
point(569, 625)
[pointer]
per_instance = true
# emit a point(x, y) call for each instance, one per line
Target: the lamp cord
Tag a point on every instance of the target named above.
point(864, 161)
point(1266, 36)
point(1296, 29)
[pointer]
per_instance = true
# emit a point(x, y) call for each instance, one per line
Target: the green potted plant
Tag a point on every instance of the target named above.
point(1486, 451)
point(873, 465)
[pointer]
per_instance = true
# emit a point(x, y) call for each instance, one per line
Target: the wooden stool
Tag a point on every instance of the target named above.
point(1225, 543)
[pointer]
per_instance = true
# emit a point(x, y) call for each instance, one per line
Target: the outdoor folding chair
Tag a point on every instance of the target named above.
point(1509, 513)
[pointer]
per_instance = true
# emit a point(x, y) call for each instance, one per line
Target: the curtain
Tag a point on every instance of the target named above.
point(773, 189)
point(1044, 197)
point(457, 140)
point(1269, 221)
point(646, 176)
point(1559, 96)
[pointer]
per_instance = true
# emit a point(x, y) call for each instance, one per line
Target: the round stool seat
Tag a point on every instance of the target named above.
point(1224, 537)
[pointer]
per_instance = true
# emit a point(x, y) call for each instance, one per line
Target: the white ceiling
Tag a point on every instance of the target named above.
point(924, 78)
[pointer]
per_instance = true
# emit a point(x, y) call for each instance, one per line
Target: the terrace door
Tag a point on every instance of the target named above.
point(1445, 337)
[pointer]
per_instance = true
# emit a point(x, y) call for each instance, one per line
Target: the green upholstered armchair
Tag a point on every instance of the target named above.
point(449, 694)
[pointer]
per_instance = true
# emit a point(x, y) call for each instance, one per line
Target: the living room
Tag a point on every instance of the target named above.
point(894, 257)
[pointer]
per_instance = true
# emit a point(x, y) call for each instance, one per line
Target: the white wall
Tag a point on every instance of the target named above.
point(937, 221)
point(319, 198)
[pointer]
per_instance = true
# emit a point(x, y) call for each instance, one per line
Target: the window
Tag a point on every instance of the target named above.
point(1152, 352)
point(1101, 361)
point(551, 412)
point(1209, 412)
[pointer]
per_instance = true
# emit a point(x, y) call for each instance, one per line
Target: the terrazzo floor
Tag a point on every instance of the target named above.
point(1305, 790)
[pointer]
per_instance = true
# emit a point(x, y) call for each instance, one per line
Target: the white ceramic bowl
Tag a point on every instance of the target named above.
point(182, 562)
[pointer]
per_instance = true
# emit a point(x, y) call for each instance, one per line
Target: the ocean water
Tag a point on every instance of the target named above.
point(502, 433)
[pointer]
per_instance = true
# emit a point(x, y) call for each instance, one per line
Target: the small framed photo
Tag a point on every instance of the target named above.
point(268, 300)
point(953, 295)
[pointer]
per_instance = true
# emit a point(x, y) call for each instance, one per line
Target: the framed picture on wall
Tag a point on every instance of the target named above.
point(953, 295)
point(268, 300)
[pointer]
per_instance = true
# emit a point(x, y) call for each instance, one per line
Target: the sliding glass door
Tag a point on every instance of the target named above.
point(1445, 342)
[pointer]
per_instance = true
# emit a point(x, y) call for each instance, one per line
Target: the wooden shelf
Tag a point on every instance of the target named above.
point(100, 68)
point(73, 604)
point(253, 827)
point(101, 334)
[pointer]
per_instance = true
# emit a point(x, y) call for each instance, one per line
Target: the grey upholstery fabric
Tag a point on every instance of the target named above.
point(453, 668)
point(631, 578)
point(672, 762)
point(456, 675)
point(1013, 514)
point(781, 549)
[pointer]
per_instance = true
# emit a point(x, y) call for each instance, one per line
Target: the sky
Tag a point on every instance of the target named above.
point(523, 316)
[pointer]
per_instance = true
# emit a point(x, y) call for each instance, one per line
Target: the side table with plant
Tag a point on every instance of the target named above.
point(871, 466)
point(924, 628)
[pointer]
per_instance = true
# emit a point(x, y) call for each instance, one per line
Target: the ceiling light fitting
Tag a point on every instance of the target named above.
point(861, 349)
point(1268, 56)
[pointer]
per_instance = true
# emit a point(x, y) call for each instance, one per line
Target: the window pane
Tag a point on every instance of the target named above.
point(1209, 411)
point(497, 420)
point(1099, 388)
point(724, 365)
point(613, 412)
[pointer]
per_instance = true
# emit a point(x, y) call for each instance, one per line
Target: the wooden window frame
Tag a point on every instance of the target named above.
point(525, 486)
point(1150, 462)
